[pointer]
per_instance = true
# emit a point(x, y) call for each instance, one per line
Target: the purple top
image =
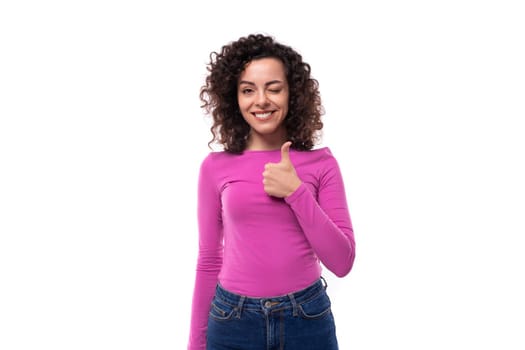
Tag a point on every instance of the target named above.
point(261, 246)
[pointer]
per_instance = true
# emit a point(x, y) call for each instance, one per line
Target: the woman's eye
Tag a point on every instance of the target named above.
point(275, 91)
point(246, 91)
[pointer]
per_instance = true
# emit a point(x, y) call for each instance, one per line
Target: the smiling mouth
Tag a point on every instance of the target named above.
point(262, 116)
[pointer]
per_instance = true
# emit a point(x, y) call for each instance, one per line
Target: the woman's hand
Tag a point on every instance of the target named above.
point(280, 179)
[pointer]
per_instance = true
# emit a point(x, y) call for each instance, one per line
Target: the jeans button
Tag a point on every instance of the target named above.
point(267, 304)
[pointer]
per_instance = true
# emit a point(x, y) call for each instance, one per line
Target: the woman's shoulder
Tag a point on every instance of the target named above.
point(319, 160)
point(318, 154)
point(215, 157)
point(213, 164)
point(219, 159)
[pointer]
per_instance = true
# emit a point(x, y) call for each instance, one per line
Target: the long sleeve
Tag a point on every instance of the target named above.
point(210, 254)
point(326, 221)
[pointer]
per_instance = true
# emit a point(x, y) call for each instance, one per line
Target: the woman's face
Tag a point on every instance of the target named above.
point(262, 94)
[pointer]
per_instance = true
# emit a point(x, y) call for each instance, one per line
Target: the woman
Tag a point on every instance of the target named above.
point(270, 207)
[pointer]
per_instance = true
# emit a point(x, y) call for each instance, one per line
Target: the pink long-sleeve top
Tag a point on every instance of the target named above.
point(257, 245)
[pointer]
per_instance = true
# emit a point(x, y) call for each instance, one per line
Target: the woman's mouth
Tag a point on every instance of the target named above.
point(262, 116)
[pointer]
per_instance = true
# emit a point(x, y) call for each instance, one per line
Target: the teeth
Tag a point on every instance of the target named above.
point(263, 115)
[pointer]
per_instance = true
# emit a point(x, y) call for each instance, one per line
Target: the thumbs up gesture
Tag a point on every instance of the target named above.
point(280, 179)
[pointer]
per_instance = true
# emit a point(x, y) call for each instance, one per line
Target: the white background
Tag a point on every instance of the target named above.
point(101, 137)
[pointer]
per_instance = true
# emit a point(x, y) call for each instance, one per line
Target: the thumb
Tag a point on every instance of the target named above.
point(285, 152)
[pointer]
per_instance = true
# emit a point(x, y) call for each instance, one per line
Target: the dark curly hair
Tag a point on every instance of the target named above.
point(219, 93)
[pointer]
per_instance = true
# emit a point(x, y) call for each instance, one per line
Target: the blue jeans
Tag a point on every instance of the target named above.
point(298, 321)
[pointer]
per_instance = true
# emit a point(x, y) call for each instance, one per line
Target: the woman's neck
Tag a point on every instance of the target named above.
point(266, 142)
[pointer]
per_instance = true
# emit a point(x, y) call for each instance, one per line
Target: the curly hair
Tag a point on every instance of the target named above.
point(219, 93)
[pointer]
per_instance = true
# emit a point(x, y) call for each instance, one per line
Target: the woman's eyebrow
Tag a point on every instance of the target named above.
point(266, 84)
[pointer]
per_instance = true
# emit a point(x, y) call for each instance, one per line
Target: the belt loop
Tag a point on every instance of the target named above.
point(325, 285)
point(239, 306)
point(294, 304)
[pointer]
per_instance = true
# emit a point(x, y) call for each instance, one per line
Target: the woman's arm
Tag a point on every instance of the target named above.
point(209, 259)
point(326, 222)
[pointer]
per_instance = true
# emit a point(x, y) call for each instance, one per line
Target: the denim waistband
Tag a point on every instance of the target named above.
point(276, 302)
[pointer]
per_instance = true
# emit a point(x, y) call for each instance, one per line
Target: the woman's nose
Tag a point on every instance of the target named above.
point(262, 99)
